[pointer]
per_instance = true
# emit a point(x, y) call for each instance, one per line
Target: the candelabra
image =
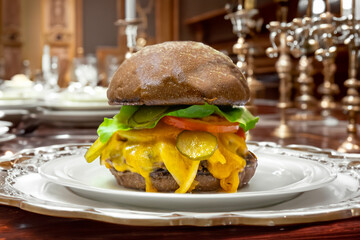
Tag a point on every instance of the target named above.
point(351, 102)
point(283, 68)
point(323, 30)
point(131, 28)
point(304, 46)
point(242, 25)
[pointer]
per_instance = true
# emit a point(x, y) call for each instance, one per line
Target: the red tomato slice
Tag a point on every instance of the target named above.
point(217, 126)
point(241, 133)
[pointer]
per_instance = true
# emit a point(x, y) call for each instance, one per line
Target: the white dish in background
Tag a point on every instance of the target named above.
point(77, 101)
point(7, 137)
point(88, 94)
point(29, 191)
point(18, 88)
point(77, 106)
point(18, 94)
point(18, 81)
point(5, 123)
point(18, 104)
point(3, 130)
point(75, 116)
point(276, 180)
point(83, 97)
point(72, 118)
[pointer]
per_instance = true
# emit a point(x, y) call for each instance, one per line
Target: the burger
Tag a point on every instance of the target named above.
point(182, 125)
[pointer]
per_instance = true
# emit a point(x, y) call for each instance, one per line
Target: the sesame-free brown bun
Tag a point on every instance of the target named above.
point(178, 73)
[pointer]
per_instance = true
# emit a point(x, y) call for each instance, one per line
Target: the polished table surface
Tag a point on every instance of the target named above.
point(19, 224)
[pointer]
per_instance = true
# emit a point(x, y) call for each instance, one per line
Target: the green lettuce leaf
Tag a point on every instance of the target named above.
point(124, 119)
point(118, 122)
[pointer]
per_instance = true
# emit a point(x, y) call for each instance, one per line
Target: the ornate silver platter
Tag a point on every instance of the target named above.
point(22, 186)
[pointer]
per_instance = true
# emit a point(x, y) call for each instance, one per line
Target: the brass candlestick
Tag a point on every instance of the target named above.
point(283, 68)
point(241, 48)
point(242, 26)
point(304, 46)
point(351, 103)
point(254, 83)
point(305, 101)
point(323, 30)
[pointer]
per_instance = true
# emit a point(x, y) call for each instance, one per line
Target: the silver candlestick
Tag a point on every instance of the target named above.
point(131, 28)
point(243, 24)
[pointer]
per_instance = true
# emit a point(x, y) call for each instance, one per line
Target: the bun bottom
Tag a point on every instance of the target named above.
point(164, 182)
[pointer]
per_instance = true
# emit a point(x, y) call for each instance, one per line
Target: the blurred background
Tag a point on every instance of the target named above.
point(300, 58)
point(75, 29)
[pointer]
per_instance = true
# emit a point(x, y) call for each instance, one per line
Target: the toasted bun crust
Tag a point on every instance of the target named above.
point(178, 73)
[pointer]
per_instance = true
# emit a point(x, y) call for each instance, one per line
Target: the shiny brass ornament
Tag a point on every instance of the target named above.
point(283, 68)
point(243, 25)
point(351, 102)
point(324, 31)
point(304, 46)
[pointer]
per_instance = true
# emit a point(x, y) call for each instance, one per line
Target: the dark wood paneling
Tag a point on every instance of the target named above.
point(11, 37)
point(99, 26)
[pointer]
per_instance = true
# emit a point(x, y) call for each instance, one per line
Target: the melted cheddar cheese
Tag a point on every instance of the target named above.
point(143, 151)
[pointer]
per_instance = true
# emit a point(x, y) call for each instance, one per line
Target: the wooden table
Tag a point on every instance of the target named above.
point(18, 224)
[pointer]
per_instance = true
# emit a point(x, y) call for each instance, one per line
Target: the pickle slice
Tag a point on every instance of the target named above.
point(196, 145)
point(148, 114)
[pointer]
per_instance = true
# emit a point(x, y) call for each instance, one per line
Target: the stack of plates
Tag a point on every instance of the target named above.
point(18, 93)
point(4, 131)
point(77, 109)
point(18, 98)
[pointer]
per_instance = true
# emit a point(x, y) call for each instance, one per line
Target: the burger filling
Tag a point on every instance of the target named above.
point(181, 140)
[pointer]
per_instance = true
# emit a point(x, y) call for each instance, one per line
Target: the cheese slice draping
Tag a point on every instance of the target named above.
point(143, 157)
point(182, 169)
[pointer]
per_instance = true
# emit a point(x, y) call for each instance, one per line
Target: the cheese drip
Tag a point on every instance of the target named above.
point(226, 164)
point(143, 151)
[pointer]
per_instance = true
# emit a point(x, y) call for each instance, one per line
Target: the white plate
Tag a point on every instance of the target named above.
point(18, 96)
point(61, 101)
point(88, 94)
point(3, 130)
point(21, 186)
point(70, 105)
point(18, 104)
point(7, 137)
point(276, 180)
point(5, 123)
point(25, 93)
point(74, 118)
